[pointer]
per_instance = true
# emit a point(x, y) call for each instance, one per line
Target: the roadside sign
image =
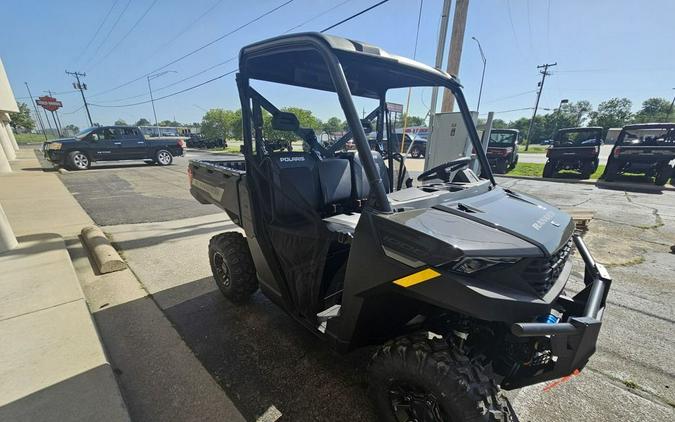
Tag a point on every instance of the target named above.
point(395, 108)
point(49, 103)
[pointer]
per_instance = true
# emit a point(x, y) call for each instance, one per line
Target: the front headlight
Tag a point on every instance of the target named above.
point(470, 265)
point(55, 145)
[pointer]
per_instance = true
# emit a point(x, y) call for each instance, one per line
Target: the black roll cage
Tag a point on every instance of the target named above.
point(328, 48)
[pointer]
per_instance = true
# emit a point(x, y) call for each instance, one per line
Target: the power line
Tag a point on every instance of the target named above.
point(231, 71)
point(511, 96)
point(354, 15)
point(127, 33)
point(316, 16)
point(114, 25)
point(239, 28)
point(98, 29)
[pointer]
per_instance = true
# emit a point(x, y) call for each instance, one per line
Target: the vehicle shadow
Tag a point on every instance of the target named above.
point(261, 357)
point(635, 183)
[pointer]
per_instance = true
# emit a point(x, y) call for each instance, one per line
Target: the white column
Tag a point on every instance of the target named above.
point(10, 132)
point(4, 164)
point(7, 238)
point(7, 146)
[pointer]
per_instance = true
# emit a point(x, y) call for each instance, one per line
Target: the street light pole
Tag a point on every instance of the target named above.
point(152, 100)
point(482, 78)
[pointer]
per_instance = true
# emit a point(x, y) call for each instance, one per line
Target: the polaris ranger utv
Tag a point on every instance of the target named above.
point(576, 148)
point(459, 281)
point(647, 148)
point(502, 152)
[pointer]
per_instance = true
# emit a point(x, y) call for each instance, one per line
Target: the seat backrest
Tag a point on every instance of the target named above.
point(297, 174)
point(336, 180)
point(360, 180)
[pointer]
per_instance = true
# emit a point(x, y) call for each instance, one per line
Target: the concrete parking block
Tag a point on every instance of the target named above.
point(106, 257)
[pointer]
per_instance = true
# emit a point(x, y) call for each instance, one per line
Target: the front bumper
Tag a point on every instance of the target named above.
point(572, 342)
point(53, 155)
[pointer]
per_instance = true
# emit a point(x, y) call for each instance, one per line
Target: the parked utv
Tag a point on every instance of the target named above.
point(502, 152)
point(644, 148)
point(576, 148)
point(459, 281)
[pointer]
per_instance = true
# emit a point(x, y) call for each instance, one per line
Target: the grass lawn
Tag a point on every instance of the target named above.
point(534, 149)
point(536, 170)
point(28, 138)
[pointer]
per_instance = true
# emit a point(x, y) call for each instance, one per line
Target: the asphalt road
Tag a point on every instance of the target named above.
point(135, 192)
point(262, 359)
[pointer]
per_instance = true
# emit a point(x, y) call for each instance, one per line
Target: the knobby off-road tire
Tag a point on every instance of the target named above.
point(549, 170)
point(662, 176)
point(417, 378)
point(587, 168)
point(232, 266)
point(514, 163)
point(501, 167)
point(611, 171)
point(416, 152)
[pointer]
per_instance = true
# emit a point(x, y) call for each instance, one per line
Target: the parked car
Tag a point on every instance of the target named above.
point(576, 148)
point(112, 143)
point(643, 148)
point(418, 149)
point(502, 152)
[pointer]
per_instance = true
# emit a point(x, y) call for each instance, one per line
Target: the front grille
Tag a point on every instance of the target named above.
point(542, 273)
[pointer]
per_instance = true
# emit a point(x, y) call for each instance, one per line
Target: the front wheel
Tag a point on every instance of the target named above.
point(232, 266)
point(163, 157)
point(414, 378)
point(415, 152)
point(78, 161)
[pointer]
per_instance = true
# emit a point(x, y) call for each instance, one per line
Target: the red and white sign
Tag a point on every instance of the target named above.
point(395, 108)
point(49, 103)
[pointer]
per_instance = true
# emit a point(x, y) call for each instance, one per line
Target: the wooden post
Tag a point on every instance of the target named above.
point(455, 52)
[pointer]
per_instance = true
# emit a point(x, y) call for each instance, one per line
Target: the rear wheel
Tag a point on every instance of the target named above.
point(163, 157)
point(78, 160)
point(587, 168)
point(549, 170)
point(500, 167)
point(414, 378)
point(664, 173)
point(514, 163)
point(611, 171)
point(232, 266)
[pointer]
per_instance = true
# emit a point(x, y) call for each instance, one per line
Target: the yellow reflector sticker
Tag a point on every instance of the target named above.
point(416, 278)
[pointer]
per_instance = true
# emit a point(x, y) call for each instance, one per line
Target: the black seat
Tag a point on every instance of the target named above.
point(297, 174)
point(360, 180)
point(336, 181)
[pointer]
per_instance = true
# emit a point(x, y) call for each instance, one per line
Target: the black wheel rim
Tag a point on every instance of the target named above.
point(411, 403)
point(222, 270)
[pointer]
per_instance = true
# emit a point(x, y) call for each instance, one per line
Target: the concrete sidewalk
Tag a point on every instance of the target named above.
point(52, 363)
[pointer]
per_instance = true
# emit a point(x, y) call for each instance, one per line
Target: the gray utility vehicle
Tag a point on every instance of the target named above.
point(112, 143)
point(647, 148)
point(502, 152)
point(459, 282)
point(576, 148)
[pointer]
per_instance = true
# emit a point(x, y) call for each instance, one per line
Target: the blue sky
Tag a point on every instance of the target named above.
point(603, 48)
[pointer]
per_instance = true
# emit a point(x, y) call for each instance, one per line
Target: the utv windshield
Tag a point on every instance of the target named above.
point(647, 137)
point(502, 139)
point(576, 138)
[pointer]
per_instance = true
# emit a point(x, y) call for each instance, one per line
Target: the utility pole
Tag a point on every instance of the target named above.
point(438, 64)
point(670, 110)
point(37, 114)
point(455, 52)
point(82, 87)
point(544, 74)
point(152, 100)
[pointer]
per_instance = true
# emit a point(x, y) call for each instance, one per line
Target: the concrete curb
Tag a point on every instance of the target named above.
point(105, 256)
point(595, 182)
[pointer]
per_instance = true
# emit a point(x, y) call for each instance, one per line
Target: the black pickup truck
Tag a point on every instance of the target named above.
point(647, 148)
point(112, 143)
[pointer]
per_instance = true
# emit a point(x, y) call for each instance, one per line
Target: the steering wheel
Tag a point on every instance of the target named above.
point(445, 170)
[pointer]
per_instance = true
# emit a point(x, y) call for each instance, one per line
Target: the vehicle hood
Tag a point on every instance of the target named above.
point(62, 140)
point(519, 215)
point(499, 223)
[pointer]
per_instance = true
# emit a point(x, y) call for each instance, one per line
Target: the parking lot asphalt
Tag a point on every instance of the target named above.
point(263, 359)
point(135, 192)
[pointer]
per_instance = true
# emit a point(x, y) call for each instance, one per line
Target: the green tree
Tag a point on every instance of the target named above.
point(332, 125)
point(221, 123)
point(72, 128)
point(170, 123)
point(142, 122)
point(615, 112)
point(412, 121)
point(653, 110)
point(22, 119)
point(120, 122)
